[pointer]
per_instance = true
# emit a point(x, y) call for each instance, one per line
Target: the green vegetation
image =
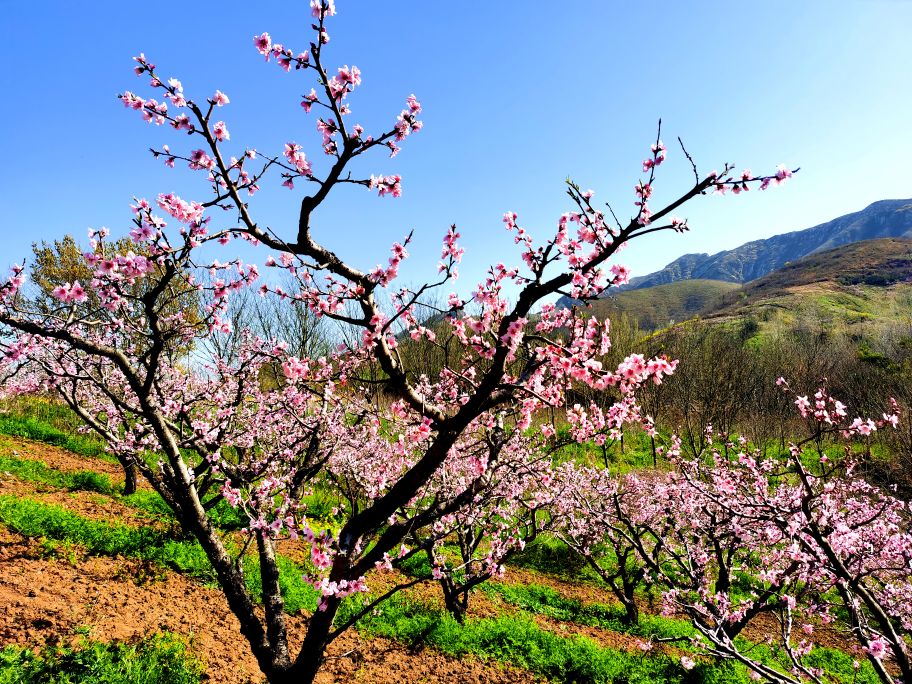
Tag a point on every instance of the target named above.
point(32, 518)
point(848, 288)
point(662, 305)
point(160, 659)
point(549, 555)
point(37, 471)
point(519, 641)
point(17, 425)
point(543, 600)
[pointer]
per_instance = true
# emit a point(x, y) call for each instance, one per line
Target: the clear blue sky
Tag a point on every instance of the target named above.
point(517, 96)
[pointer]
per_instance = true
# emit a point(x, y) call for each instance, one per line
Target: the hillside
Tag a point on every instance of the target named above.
point(752, 260)
point(866, 281)
point(872, 262)
point(857, 286)
point(662, 305)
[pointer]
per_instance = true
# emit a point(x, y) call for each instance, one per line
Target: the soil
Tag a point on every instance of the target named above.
point(46, 599)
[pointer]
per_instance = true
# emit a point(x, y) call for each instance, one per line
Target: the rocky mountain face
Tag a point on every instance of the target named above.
point(883, 219)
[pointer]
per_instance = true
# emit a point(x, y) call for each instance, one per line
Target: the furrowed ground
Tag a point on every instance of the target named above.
point(97, 586)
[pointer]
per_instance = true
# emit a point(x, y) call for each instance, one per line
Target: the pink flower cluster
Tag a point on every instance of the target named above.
point(71, 293)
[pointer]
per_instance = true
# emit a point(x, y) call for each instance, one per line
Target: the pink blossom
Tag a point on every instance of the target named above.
point(220, 131)
point(263, 44)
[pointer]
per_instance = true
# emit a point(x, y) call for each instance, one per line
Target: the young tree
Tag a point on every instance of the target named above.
point(211, 426)
point(733, 535)
point(63, 264)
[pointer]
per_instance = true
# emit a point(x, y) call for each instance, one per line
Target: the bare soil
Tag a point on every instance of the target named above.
point(45, 600)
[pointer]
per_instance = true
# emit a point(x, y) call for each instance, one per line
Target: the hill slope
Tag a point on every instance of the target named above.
point(752, 260)
point(860, 285)
point(663, 305)
point(868, 281)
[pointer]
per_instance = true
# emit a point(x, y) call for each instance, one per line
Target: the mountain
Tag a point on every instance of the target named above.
point(860, 284)
point(883, 219)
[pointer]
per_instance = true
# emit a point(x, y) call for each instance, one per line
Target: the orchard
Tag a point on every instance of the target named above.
point(437, 423)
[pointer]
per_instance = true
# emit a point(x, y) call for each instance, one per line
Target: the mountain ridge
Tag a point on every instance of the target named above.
point(889, 218)
point(865, 282)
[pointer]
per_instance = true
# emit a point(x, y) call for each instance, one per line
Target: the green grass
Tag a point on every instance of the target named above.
point(160, 659)
point(39, 520)
point(32, 518)
point(297, 594)
point(553, 557)
point(518, 641)
point(510, 639)
point(546, 601)
point(39, 430)
point(38, 471)
point(543, 600)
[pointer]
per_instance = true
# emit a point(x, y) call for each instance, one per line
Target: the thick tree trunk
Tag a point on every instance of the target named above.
point(631, 613)
point(310, 657)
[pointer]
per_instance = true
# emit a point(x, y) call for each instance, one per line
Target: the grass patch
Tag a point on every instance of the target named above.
point(547, 601)
point(518, 641)
point(39, 520)
point(553, 557)
point(15, 425)
point(38, 471)
point(31, 518)
point(160, 659)
point(297, 594)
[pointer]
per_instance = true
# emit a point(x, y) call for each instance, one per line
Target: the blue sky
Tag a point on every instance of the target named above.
point(517, 97)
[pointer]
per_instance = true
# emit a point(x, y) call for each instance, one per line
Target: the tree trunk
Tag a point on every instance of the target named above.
point(129, 469)
point(310, 657)
point(631, 613)
point(455, 598)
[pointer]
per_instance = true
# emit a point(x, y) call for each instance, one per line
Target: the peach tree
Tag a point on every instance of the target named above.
point(436, 456)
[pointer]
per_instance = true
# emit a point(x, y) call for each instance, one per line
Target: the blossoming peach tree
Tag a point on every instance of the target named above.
point(729, 536)
point(458, 454)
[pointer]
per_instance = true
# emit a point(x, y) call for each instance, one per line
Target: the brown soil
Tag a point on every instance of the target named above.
point(44, 601)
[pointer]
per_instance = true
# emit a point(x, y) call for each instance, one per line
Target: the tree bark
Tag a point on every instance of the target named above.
point(129, 469)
